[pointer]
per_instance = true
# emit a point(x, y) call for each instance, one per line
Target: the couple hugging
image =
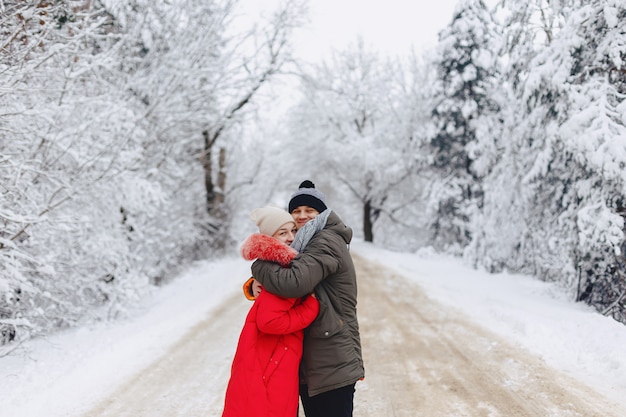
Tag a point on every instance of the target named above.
point(301, 335)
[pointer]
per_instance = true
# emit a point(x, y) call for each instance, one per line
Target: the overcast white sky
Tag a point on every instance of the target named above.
point(387, 26)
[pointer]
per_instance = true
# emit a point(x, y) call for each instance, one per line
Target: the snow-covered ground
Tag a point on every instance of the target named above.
point(64, 374)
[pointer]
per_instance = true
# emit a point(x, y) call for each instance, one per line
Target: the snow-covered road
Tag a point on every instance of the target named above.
point(426, 359)
point(422, 359)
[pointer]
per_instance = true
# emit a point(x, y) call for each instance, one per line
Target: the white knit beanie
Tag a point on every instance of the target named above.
point(269, 219)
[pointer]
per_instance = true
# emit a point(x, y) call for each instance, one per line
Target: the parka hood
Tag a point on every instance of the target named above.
point(336, 225)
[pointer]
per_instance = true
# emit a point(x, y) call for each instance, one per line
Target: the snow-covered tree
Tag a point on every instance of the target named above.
point(595, 136)
point(554, 201)
point(101, 146)
point(467, 72)
point(355, 128)
point(67, 140)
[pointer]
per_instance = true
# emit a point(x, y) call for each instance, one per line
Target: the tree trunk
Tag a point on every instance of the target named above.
point(367, 222)
point(215, 192)
point(221, 179)
point(207, 165)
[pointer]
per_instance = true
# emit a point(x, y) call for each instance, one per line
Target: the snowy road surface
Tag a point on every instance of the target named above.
point(421, 359)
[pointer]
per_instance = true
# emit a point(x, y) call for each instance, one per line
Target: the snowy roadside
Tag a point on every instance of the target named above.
point(65, 374)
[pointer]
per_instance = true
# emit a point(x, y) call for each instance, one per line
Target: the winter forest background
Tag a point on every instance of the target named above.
point(136, 136)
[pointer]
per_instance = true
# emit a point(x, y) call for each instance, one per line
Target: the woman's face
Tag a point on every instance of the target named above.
point(286, 233)
point(303, 214)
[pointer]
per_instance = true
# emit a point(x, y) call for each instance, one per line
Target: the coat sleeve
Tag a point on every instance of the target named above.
point(276, 315)
point(309, 268)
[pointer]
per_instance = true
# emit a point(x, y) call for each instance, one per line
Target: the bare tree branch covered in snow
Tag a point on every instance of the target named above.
point(101, 181)
point(358, 121)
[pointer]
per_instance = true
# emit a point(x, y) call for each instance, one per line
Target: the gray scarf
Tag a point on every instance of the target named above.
point(309, 230)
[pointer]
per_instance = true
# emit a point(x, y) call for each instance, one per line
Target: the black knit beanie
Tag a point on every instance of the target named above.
point(307, 195)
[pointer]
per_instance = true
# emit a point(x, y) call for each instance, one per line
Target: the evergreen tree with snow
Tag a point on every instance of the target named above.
point(554, 205)
point(466, 67)
point(595, 136)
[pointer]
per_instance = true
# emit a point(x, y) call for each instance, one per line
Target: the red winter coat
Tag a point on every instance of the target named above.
point(264, 373)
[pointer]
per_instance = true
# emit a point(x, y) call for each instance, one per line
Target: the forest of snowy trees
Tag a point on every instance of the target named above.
point(136, 135)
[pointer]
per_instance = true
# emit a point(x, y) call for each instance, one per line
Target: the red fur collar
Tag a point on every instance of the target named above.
point(267, 248)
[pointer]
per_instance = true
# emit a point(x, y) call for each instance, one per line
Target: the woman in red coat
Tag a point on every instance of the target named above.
point(264, 375)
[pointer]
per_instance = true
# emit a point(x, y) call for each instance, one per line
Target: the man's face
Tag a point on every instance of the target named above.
point(303, 214)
